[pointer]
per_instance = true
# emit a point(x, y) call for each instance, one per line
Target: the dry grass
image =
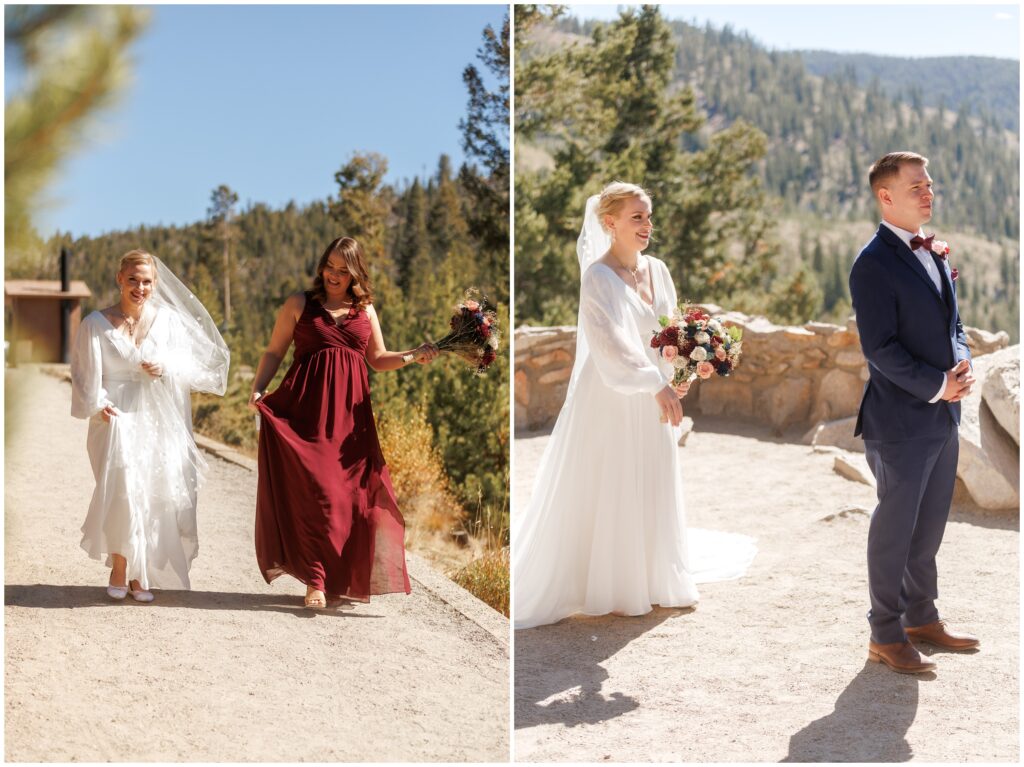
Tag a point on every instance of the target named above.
point(487, 578)
point(417, 472)
point(435, 521)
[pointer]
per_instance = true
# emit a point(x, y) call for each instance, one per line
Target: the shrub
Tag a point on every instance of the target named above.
point(487, 578)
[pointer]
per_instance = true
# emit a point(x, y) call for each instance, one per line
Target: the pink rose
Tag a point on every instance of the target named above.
point(940, 248)
point(705, 370)
point(472, 305)
point(720, 353)
point(669, 352)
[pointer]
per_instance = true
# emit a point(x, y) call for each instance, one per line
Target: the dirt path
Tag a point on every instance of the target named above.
point(773, 667)
point(234, 670)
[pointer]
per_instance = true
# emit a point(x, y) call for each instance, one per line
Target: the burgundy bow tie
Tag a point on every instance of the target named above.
point(926, 243)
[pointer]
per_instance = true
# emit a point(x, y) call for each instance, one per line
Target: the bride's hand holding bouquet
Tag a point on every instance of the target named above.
point(697, 346)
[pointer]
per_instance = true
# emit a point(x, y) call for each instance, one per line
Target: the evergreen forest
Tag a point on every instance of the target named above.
point(756, 161)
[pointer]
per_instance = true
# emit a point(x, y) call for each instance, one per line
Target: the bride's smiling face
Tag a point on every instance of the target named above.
point(632, 224)
point(136, 283)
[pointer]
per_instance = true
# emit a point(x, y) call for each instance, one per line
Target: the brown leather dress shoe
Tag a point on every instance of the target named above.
point(938, 634)
point(900, 656)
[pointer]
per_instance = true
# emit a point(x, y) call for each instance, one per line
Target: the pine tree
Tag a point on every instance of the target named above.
point(609, 111)
point(485, 140)
point(221, 215)
point(77, 62)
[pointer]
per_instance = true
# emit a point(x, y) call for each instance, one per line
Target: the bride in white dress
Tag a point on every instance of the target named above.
point(132, 368)
point(605, 529)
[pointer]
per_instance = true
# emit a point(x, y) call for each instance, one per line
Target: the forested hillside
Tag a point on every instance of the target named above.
point(821, 127)
point(989, 87)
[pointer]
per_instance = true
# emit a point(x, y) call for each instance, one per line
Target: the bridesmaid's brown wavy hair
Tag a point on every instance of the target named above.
point(359, 290)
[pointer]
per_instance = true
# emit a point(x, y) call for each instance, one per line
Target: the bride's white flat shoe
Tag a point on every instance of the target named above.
point(117, 592)
point(141, 595)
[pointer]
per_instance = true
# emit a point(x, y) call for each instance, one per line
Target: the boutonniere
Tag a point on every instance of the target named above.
point(940, 249)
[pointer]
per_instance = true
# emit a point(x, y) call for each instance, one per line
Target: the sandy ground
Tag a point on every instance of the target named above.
point(234, 670)
point(773, 667)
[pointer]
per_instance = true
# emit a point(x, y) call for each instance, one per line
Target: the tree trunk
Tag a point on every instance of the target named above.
point(227, 283)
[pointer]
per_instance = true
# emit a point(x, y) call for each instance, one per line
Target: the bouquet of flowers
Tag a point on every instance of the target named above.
point(474, 332)
point(697, 345)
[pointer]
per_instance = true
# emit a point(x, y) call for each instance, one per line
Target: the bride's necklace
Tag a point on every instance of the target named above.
point(634, 272)
point(130, 323)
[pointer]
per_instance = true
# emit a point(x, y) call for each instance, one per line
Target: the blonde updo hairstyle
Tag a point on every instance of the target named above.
point(614, 196)
point(137, 257)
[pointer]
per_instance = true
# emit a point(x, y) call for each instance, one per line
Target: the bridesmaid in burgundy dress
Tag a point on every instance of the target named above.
point(325, 509)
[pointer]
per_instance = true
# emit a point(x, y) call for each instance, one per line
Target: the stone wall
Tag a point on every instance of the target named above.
point(790, 377)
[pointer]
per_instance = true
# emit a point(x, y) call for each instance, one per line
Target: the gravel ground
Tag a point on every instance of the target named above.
point(234, 670)
point(773, 667)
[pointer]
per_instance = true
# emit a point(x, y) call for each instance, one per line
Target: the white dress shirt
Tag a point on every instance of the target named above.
point(925, 257)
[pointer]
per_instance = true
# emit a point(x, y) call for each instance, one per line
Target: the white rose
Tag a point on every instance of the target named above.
point(699, 354)
point(679, 362)
point(702, 338)
point(715, 326)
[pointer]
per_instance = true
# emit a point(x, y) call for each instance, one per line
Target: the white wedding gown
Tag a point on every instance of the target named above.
point(605, 529)
point(145, 460)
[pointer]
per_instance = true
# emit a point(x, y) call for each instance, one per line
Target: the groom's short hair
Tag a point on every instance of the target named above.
point(886, 167)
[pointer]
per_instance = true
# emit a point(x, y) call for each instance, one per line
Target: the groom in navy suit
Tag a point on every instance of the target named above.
point(904, 297)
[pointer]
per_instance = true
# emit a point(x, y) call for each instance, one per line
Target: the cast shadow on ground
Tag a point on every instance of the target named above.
point(49, 596)
point(550, 660)
point(869, 723)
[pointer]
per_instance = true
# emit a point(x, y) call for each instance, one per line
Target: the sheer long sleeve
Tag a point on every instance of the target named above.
point(192, 360)
point(88, 395)
point(671, 297)
point(614, 337)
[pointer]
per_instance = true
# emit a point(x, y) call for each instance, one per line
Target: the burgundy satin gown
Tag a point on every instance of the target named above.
point(325, 508)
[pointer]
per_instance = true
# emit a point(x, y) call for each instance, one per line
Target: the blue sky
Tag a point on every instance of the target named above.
point(270, 100)
point(882, 28)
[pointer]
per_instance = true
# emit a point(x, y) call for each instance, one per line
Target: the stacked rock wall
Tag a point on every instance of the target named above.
point(789, 377)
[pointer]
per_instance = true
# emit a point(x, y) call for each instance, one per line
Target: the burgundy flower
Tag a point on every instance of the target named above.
point(954, 273)
point(694, 315)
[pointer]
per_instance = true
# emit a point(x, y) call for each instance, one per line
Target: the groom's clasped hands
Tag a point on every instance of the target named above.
point(959, 382)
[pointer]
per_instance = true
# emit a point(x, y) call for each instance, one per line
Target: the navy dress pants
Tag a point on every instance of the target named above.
point(915, 486)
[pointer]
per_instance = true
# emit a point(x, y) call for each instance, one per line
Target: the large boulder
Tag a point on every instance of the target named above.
point(839, 395)
point(837, 433)
point(1001, 391)
point(982, 342)
point(854, 467)
point(989, 458)
point(788, 403)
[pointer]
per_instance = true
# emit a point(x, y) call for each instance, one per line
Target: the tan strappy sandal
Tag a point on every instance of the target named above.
point(315, 600)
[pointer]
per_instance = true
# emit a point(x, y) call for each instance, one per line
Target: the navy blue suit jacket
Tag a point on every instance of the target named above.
point(911, 335)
